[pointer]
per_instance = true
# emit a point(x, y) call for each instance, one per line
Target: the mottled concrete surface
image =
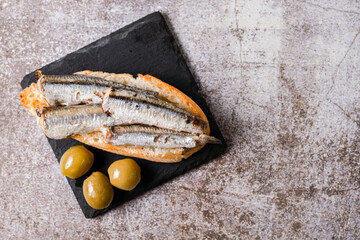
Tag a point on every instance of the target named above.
point(282, 80)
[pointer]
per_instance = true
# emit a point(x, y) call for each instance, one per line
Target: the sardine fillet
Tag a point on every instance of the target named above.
point(78, 89)
point(62, 122)
point(136, 135)
point(132, 111)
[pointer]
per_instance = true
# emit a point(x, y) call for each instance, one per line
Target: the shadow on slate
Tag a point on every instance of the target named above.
point(148, 47)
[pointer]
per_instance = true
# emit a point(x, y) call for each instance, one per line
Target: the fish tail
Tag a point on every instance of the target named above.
point(40, 78)
point(204, 139)
point(213, 140)
point(38, 74)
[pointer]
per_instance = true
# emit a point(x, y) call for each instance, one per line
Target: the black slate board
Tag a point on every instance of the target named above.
point(148, 47)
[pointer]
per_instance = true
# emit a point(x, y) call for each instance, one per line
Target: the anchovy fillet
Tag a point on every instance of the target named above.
point(79, 89)
point(119, 93)
point(134, 110)
point(62, 122)
point(136, 135)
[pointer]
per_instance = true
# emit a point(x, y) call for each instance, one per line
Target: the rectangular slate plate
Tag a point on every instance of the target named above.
point(148, 47)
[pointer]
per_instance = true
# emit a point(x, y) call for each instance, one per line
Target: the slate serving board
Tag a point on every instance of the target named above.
point(148, 47)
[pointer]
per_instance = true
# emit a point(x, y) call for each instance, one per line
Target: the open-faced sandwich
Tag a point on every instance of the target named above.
point(141, 117)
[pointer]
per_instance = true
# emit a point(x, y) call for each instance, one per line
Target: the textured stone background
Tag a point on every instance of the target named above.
point(282, 80)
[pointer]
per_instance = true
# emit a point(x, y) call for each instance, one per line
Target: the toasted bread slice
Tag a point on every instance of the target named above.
point(32, 100)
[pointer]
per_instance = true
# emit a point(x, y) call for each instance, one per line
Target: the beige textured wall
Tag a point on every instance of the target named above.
point(282, 80)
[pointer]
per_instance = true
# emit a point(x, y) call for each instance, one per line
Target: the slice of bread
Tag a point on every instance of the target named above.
point(32, 100)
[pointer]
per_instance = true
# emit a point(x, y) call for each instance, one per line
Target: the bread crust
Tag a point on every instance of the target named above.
point(32, 100)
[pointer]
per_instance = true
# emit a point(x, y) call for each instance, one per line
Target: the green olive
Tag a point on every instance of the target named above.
point(124, 174)
point(76, 161)
point(98, 191)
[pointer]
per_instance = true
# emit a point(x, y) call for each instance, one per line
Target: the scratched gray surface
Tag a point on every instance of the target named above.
point(282, 80)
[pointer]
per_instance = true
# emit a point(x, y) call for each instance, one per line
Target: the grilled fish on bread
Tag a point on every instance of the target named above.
point(116, 106)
